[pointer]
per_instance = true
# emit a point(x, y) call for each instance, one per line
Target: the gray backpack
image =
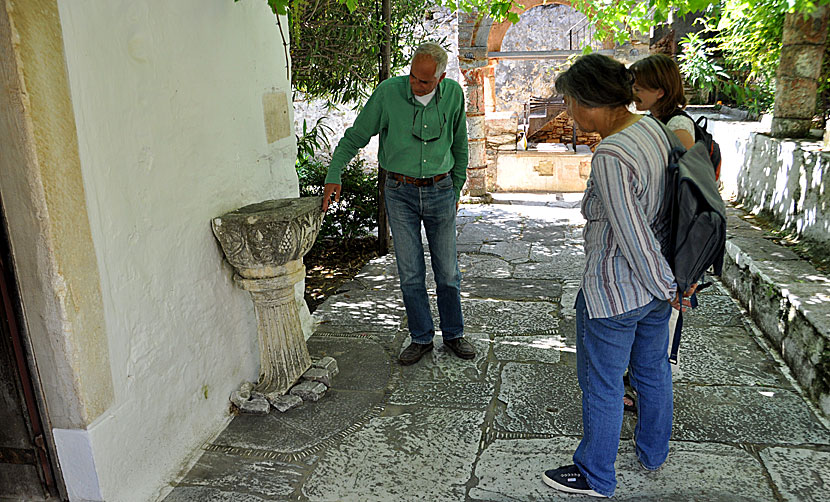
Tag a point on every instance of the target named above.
point(692, 228)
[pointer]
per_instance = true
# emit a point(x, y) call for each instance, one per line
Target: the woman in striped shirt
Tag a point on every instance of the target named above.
point(623, 305)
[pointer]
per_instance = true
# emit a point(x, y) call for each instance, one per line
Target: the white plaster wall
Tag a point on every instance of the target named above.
point(782, 177)
point(788, 180)
point(734, 138)
point(168, 103)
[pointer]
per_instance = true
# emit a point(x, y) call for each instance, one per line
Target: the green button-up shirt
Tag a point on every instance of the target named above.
point(415, 140)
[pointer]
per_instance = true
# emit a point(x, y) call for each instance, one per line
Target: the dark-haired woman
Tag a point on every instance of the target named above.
point(623, 305)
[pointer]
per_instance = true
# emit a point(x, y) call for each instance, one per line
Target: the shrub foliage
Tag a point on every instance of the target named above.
point(356, 214)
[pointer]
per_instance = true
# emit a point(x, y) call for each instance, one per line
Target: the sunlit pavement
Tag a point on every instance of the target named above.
point(445, 429)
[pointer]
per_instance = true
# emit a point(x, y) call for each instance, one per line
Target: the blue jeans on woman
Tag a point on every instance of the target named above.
point(408, 206)
point(605, 347)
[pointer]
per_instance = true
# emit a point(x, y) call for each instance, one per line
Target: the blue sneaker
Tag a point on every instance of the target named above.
point(569, 479)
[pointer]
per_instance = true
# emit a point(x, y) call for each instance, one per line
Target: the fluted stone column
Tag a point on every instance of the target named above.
point(265, 243)
point(283, 351)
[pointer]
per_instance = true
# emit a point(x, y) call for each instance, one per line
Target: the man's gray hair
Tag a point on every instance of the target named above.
point(436, 52)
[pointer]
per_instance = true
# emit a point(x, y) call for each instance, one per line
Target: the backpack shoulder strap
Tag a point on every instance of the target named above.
point(675, 113)
point(674, 142)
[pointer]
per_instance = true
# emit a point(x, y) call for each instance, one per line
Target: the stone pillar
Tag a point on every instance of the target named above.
point(490, 88)
point(265, 243)
point(802, 50)
point(477, 167)
point(283, 351)
point(472, 61)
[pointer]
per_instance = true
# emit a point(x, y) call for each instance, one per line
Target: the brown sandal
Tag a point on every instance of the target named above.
point(629, 403)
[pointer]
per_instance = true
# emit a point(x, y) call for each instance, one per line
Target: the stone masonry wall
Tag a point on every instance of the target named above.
point(560, 130)
point(541, 28)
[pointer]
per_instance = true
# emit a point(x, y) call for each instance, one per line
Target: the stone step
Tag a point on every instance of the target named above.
point(787, 298)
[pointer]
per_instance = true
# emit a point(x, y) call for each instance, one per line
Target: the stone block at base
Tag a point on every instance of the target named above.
point(327, 363)
point(318, 375)
point(309, 391)
point(256, 404)
point(283, 402)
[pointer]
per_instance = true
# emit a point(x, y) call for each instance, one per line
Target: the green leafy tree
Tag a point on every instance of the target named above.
point(499, 10)
point(746, 40)
point(698, 66)
point(748, 36)
point(620, 18)
point(336, 45)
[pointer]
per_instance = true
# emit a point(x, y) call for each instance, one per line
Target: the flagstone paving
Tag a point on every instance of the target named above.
point(445, 429)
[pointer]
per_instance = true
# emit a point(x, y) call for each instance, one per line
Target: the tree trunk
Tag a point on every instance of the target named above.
point(385, 70)
point(802, 49)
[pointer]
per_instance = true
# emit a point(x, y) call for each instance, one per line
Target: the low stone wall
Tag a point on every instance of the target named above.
point(560, 130)
point(785, 179)
point(787, 299)
point(541, 171)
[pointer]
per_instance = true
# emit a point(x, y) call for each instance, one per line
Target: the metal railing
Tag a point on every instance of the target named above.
point(582, 34)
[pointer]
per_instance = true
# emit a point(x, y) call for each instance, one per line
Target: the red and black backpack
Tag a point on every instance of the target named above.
point(701, 134)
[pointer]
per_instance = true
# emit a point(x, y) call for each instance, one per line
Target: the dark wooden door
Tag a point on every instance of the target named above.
point(25, 471)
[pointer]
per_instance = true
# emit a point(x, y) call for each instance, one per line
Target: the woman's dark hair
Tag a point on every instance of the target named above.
point(597, 81)
point(659, 71)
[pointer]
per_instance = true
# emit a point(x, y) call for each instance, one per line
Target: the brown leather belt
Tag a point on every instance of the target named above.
point(418, 182)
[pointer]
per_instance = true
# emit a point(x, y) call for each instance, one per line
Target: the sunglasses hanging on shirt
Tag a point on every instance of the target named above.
point(427, 123)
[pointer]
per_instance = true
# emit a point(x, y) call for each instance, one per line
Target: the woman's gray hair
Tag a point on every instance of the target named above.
point(436, 52)
point(597, 81)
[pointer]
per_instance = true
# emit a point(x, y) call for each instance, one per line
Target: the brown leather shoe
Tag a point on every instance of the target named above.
point(461, 347)
point(413, 353)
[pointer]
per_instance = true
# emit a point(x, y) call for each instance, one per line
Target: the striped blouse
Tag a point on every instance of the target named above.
point(624, 268)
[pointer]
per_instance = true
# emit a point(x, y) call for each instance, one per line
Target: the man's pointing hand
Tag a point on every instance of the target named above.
point(331, 189)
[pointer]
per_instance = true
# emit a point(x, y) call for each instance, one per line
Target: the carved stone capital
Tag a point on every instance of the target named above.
point(259, 238)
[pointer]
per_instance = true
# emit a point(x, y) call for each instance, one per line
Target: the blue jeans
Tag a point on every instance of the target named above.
point(408, 206)
point(605, 347)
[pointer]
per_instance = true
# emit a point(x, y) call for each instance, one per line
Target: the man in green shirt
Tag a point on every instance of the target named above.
point(423, 147)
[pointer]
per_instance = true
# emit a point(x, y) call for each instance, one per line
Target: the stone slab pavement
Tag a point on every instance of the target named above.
point(450, 430)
